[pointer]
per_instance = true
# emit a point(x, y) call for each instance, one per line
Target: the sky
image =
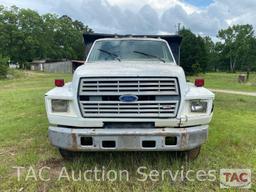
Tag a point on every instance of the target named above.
point(204, 17)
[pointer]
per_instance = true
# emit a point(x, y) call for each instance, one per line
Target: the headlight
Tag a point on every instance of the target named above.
point(59, 105)
point(198, 106)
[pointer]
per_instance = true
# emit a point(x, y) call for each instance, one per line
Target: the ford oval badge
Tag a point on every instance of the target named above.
point(128, 98)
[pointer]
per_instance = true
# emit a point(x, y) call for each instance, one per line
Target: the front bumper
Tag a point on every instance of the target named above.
point(128, 139)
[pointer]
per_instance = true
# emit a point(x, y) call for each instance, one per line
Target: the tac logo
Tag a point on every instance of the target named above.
point(240, 178)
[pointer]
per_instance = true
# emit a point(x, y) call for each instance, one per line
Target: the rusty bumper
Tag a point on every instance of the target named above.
point(128, 139)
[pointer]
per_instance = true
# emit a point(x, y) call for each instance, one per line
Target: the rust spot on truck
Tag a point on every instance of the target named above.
point(73, 142)
point(184, 139)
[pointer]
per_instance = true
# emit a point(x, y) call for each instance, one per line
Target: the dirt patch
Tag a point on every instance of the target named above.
point(54, 164)
point(8, 152)
point(234, 92)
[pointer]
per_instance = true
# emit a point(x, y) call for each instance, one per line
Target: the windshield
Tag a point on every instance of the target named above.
point(130, 50)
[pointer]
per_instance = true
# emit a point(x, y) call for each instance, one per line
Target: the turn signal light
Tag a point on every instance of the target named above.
point(59, 82)
point(199, 82)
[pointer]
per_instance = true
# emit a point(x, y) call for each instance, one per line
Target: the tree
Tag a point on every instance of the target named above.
point(212, 54)
point(25, 35)
point(237, 42)
point(31, 42)
point(193, 52)
point(9, 32)
point(202, 55)
point(3, 66)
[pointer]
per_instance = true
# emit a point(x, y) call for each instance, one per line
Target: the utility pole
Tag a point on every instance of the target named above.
point(178, 25)
point(178, 28)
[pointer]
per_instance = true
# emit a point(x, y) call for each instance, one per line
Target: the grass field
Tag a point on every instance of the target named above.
point(227, 81)
point(23, 142)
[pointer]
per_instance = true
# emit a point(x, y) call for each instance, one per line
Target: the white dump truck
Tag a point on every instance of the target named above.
point(129, 95)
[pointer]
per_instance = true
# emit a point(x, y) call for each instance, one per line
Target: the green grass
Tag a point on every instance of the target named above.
point(227, 81)
point(24, 142)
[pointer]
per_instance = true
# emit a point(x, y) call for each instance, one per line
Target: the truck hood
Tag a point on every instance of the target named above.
point(124, 68)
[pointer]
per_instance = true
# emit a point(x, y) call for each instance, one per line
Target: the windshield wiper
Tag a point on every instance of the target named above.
point(149, 55)
point(111, 54)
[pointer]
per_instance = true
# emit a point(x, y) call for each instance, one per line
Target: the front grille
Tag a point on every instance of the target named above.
point(137, 86)
point(136, 109)
point(158, 97)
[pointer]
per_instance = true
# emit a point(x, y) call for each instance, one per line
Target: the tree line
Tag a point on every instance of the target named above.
point(235, 50)
point(25, 35)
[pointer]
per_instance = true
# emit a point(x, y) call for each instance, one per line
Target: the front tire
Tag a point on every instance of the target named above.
point(68, 155)
point(192, 154)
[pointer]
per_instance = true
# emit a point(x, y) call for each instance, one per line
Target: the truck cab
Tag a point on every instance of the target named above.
point(130, 95)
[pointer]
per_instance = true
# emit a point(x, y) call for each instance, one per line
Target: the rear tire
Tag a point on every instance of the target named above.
point(192, 154)
point(69, 155)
